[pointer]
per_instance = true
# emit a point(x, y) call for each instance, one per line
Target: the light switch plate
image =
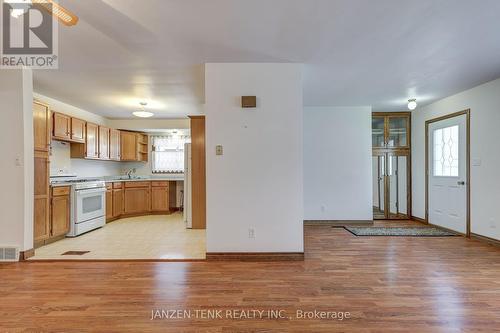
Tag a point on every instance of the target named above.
point(476, 162)
point(219, 150)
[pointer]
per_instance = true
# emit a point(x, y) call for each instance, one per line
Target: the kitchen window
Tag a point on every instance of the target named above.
point(168, 153)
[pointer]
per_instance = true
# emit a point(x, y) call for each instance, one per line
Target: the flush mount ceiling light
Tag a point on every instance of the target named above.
point(143, 113)
point(412, 104)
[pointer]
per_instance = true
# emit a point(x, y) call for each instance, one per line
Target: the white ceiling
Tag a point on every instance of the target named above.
point(355, 52)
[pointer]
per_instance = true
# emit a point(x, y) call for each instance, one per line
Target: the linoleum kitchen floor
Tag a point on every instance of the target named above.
point(144, 237)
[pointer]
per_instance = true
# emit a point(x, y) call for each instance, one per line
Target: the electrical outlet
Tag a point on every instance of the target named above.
point(492, 223)
point(251, 233)
point(219, 150)
point(323, 208)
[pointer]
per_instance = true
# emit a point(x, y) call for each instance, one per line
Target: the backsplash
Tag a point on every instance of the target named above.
point(61, 162)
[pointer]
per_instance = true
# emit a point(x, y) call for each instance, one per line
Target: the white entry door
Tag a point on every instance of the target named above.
point(447, 173)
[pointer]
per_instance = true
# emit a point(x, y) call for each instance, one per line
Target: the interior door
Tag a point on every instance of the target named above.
point(447, 173)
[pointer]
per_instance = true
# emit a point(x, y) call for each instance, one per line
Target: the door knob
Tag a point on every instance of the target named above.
point(461, 183)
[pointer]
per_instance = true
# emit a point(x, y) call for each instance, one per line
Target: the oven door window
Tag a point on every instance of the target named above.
point(92, 204)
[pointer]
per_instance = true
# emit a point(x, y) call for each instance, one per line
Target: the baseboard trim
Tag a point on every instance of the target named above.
point(486, 239)
point(255, 256)
point(338, 223)
point(418, 219)
point(25, 255)
point(446, 229)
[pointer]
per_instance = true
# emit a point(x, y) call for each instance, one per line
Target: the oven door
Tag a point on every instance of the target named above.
point(90, 204)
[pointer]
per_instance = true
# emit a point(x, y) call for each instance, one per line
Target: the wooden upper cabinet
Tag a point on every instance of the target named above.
point(114, 145)
point(61, 126)
point(41, 126)
point(92, 141)
point(104, 143)
point(128, 146)
point(77, 130)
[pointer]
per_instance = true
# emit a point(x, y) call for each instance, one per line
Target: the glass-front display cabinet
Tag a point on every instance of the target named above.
point(391, 130)
point(391, 167)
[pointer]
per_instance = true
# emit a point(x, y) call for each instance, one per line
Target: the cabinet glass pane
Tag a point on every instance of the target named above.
point(397, 172)
point(398, 131)
point(377, 131)
point(378, 165)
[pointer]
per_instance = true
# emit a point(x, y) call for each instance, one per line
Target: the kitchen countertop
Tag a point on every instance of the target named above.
point(124, 179)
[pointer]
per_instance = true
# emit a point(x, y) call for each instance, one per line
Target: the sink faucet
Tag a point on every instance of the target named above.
point(130, 172)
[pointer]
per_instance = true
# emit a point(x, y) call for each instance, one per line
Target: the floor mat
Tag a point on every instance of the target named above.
point(400, 231)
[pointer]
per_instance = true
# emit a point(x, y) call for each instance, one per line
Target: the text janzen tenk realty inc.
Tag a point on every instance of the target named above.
point(239, 314)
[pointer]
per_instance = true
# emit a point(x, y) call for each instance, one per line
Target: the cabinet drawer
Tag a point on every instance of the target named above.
point(60, 190)
point(137, 184)
point(163, 183)
point(117, 185)
point(109, 186)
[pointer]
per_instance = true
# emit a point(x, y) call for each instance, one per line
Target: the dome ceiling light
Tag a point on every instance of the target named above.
point(143, 113)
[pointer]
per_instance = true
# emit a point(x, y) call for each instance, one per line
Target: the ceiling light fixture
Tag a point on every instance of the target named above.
point(64, 16)
point(412, 104)
point(143, 113)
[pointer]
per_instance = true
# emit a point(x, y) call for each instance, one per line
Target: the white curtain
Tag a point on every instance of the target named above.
point(168, 153)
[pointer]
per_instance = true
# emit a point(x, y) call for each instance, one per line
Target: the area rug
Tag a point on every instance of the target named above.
point(399, 231)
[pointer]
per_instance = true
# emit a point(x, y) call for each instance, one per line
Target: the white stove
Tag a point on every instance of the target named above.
point(88, 203)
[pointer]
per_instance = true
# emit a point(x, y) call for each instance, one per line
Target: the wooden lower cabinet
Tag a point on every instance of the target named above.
point(117, 203)
point(60, 211)
point(159, 199)
point(57, 223)
point(41, 227)
point(137, 200)
point(109, 204)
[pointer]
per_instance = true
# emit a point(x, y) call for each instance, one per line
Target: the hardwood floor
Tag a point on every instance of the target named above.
point(388, 284)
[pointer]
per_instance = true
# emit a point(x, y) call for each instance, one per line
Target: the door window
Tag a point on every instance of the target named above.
point(445, 162)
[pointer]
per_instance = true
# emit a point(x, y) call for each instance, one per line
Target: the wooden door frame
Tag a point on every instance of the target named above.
point(467, 161)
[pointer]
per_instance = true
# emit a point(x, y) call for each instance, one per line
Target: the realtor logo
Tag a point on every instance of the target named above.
point(29, 36)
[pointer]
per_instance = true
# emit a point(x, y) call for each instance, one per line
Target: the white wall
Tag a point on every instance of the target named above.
point(484, 102)
point(257, 183)
point(16, 142)
point(337, 163)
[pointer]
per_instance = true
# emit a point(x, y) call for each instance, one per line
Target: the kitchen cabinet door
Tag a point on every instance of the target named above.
point(60, 215)
point(114, 145)
point(104, 143)
point(109, 205)
point(137, 200)
point(128, 146)
point(41, 126)
point(77, 130)
point(159, 199)
point(61, 126)
point(117, 202)
point(92, 141)
point(42, 197)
